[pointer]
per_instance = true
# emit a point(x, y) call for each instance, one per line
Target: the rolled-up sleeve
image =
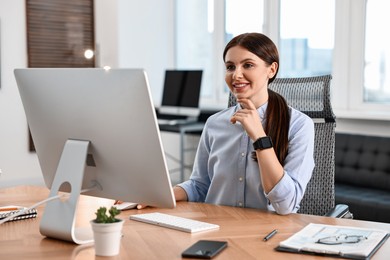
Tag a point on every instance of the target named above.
point(198, 185)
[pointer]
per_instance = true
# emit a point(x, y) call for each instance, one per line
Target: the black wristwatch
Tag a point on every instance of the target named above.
point(263, 143)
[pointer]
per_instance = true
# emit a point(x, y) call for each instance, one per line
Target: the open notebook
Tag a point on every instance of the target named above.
point(7, 211)
point(339, 241)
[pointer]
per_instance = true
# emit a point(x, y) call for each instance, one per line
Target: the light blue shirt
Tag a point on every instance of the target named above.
point(225, 174)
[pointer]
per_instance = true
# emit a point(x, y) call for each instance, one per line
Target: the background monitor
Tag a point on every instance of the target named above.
point(94, 127)
point(181, 92)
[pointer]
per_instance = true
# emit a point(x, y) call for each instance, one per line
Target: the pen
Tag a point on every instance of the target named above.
point(268, 237)
point(8, 209)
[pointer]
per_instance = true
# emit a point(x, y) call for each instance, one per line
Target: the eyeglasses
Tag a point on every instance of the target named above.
point(341, 239)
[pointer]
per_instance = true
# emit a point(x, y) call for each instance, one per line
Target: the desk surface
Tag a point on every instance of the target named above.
point(244, 230)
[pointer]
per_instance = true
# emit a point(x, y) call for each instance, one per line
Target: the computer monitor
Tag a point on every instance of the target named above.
point(94, 128)
point(181, 93)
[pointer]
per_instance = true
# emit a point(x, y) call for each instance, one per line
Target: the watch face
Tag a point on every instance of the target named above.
point(263, 143)
point(266, 142)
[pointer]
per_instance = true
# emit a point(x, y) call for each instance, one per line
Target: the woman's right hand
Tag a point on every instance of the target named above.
point(249, 119)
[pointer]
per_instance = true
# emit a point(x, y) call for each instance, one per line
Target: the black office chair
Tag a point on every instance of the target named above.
point(311, 95)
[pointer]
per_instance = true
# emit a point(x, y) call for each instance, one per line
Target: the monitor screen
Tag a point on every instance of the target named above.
point(112, 112)
point(181, 92)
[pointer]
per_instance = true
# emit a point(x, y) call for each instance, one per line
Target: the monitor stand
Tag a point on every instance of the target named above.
point(58, 220)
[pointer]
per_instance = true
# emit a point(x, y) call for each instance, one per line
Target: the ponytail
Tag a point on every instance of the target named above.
point(277, 124)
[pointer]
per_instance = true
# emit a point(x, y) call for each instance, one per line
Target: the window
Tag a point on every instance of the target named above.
point(194, 41)
point(306, 37)
point(201, 36)
point(377, 54)
point(360, 88)
point(342, 38)
point(242, 18)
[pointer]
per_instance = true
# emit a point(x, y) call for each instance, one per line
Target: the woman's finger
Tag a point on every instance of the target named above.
point(246, 103)
point(141, 206)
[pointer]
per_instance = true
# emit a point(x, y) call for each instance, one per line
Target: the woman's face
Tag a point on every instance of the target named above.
point(247, 75)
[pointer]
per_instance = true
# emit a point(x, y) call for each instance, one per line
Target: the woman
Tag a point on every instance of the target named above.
point(259, 153)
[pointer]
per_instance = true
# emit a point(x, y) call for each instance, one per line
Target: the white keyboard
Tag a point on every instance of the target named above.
point(174, 222)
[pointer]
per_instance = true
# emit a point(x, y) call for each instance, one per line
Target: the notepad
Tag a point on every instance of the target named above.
point(6, 211)
point(333, 240)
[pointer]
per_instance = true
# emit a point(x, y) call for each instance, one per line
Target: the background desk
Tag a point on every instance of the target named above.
point(183, 129)
point(244, 230)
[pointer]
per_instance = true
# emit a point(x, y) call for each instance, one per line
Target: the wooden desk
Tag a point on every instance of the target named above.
point(244, 230)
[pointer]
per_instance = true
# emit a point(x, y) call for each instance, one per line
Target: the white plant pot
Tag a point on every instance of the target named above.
point(107, 238)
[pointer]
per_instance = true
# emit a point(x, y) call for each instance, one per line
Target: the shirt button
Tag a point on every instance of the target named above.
point(240, 204)
point(240, 179)
point(242, 154)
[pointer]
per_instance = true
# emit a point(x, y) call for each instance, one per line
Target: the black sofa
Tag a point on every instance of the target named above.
point(362, 175)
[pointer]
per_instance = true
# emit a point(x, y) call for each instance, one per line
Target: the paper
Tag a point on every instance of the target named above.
point(348, 241)
point(22, 213)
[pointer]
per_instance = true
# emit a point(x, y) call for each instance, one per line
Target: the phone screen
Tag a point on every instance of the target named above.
point(204, 249)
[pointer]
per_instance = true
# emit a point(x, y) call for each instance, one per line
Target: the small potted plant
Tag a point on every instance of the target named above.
point(107, 231)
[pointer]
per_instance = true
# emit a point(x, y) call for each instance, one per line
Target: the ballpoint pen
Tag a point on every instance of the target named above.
point(267, 237)
point(9, 209)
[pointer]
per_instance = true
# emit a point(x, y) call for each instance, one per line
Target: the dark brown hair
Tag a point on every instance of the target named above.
point(277, 115)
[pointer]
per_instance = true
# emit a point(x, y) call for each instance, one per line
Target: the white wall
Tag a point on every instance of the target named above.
point(128, 34)
point(106, 33)
point(363, 126)
point(146, 39)
point(17, 163)
point(136, 34)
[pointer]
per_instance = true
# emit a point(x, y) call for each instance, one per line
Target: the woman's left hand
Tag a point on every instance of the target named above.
point(139, 206)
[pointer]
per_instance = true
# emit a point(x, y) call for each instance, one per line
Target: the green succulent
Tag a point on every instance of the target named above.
point(103, 217)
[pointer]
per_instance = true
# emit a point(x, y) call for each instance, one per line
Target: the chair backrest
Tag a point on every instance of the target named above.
point(311, 95)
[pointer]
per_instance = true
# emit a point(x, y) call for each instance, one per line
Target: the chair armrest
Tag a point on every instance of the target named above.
point(339, 211)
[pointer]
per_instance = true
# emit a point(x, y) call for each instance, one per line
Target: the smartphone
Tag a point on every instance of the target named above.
point(204, 249)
